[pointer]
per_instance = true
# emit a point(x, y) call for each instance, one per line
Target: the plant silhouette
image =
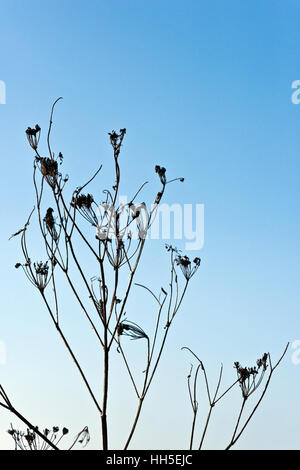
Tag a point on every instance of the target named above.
point(69, 226)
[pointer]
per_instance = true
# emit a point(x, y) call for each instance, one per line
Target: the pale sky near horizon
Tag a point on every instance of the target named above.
point(204, 89)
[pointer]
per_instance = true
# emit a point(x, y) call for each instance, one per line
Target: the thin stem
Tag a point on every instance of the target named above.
point(212, 404)
point(138, 412)
point(195, 407)
point(50, 126)
point(239, 418)
point(71, 353)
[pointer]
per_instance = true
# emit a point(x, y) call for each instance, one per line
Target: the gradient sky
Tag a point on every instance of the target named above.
point(204, 89)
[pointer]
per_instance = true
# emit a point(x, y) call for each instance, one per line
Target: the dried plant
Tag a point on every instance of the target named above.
point(248, 379)
point(6, 403)
point(30, 440)
point(106, 231)
point(113, 249)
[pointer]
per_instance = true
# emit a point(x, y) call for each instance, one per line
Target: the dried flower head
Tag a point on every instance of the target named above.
point(247, 376)
point(83, 203)
point(188, 269)
point(96, 296)
point(37, 273)
point(30, 440)
point(161, 173)
point(116, 140)
point(33, 136)
point(49, 169)
point(131, 329)
point(50, 224)
point(84, 436)
point(41, 271)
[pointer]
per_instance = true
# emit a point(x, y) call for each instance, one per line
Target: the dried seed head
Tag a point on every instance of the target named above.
point(247, 376)
point(83, 203)
point(116, 140)
point(49, 219)
point(131, 329)
point(41, 268)
point(161, 173)
point(49, 169)
point(33, 136)
point(186, 266)
point(40, 280)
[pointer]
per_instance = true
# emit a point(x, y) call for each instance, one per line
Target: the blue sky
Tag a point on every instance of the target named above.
point(204, 89)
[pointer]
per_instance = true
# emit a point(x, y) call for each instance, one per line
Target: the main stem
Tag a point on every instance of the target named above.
point(135, 422)
point(105, 394)
point(106, 363)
